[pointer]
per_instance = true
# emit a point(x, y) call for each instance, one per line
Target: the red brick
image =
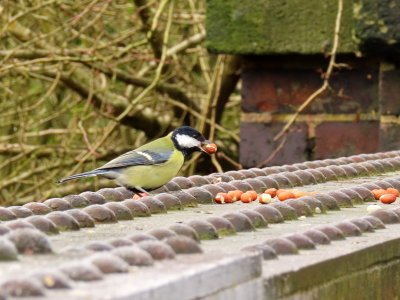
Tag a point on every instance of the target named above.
point(389, 138)
point(335, 139)
point(274, 88)
point(257, 144)
point(389, 92)
point(284, 90)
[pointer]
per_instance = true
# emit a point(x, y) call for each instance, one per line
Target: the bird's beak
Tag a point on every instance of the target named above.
point(208, 147)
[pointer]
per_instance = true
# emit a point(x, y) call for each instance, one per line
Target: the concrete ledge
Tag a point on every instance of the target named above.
point(369, 265)
point(211, 276)
point(249, 290)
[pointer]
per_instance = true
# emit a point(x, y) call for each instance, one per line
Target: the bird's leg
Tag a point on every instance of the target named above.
point(139, 193)
point(139, 196)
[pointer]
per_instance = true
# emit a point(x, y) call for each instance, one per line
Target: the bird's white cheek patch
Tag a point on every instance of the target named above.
point(186, 141)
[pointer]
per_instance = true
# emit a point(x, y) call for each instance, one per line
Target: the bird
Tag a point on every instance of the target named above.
point(154, 164)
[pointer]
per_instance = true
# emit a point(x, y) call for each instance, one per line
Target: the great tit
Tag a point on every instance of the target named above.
point(153, 164)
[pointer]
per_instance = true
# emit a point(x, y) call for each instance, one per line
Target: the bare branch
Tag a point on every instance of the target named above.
point(328, 74)
point(155, 36)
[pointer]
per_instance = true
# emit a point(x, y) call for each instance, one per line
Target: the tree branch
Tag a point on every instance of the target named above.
point(156, 35)
point(328, 74)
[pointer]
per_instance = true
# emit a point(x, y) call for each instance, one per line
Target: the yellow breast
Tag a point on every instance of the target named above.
point(154, 176)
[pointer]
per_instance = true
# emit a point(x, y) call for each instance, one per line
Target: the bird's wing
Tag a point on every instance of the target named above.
point(153, 153)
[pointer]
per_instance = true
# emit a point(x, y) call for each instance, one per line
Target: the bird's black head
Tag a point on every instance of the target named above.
point(188, 140)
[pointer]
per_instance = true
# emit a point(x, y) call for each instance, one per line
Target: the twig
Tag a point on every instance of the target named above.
point(16, 157)
point(87, 9)
point(51, 81)
point(24, 13)
point(327, 76)
point(16, 148)
point(214, 96)
point(112, 127)
point(171, 90)
point(189, 42)
point(202, 61)
point(209, 107)
point(234, 163)
point(155, 36)
point(216, 164)
point(199, 116)
point(48, 60)
point(94, 20)
point(28, 174)
point(274, 153)
point(86, 138)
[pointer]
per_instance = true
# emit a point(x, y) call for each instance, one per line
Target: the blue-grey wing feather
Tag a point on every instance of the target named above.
point(135, 158)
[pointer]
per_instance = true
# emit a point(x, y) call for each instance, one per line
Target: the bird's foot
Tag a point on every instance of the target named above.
point(139, 196)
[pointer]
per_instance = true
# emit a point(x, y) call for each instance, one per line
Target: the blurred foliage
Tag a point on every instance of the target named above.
point(84, 81)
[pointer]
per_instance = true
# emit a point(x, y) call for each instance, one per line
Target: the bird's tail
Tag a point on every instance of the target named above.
point(81, 175)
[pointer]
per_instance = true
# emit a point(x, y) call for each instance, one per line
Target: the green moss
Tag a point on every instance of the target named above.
point(277, 27)
point(377, 26)
point(226, 232)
